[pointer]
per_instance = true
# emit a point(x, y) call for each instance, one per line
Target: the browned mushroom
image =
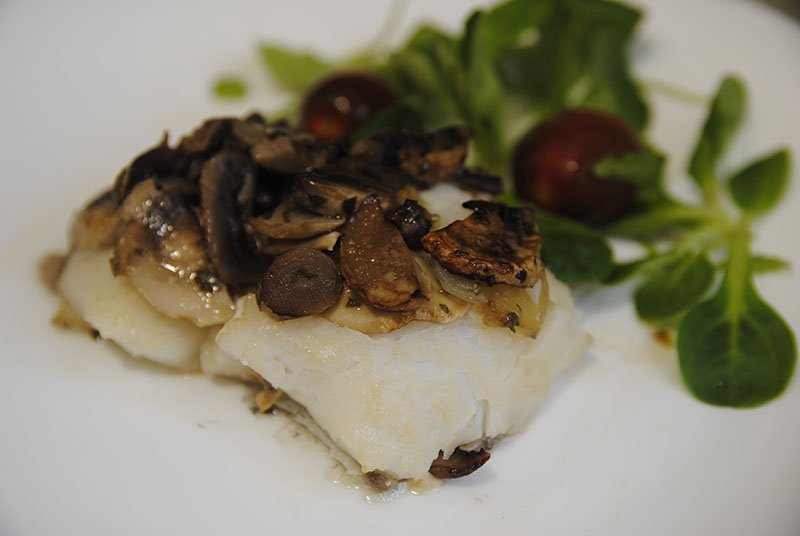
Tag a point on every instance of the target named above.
point(376, 262)
point(478, 180)
point(278, 154)
point(324, 242)
point(159, 247)
point(428, 157)
point(495, 244)
point(327, 195)
point(354, 312)
point(460, 463)
point(413, 221)
point(207, 138)
point(293, 223)
point(300, 282)
point(160, 161)
point(233, 257)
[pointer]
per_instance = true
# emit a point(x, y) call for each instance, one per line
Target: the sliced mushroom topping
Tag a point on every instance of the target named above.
point(495, 244)
point(327, 195)
point(96, 225)
point(460, 463)
point(278, 154)
point(413, 221)
point(293, 223)
point(159, 247)
point(428, 157)
point(325, 242)
point(160, 161)
point(300, 282)
point(478, 180)
point(353, 312)
point(376, 262)
point(233, 256)
point(206, 139)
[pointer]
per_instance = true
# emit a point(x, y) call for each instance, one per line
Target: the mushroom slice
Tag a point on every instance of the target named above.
point(327, 195)
point(478, 180)
point(300, 282)
point(413, 221)
point(326, 242)
point(495, 244)
point(207, 138)
point(292, 223)
point(441, 307)
point(160, 248)
point(94, 227)
point(160, 161)
point(233, 256)
point(460, 463)
point(278, 154)
point(428, 157)
point(376, 262)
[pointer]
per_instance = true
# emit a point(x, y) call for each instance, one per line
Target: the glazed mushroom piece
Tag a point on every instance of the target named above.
point(460, 463)
point(288, 222)
point(159, 247)
point(495, 244)
point(158, 162)
point(234, 257)
point(327, 194)
point(376, 262)
point(413, 221)
point(427, 157)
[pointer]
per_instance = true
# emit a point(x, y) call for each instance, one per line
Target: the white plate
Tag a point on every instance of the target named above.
point(95, 443)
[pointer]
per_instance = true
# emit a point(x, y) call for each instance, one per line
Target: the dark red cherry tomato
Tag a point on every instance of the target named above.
point(553, 165)
point(339, 104)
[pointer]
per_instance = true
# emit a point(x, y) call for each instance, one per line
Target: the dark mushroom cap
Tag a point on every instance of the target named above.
point(157, 162)
point(300, 282)
point(413, 221)
point(206, 139)
point(233, 258)
point(427, 157)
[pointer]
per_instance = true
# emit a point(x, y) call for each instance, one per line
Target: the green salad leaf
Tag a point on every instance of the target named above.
point(644, 170)
point(230, 87)
point(723, 120)
point(758, 187)
point(294, 71)
point(761, 264)
point(734, 349)
point(573, 252)
point(674, 288)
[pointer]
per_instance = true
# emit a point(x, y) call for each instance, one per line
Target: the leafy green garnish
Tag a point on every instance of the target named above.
point(674, 288)
point(760, 264)
point(294, 71)
point(230, 88)
point(723, 120)
point(643, 170)
point(734, 349)
point(758, 187)
point(573, 252)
